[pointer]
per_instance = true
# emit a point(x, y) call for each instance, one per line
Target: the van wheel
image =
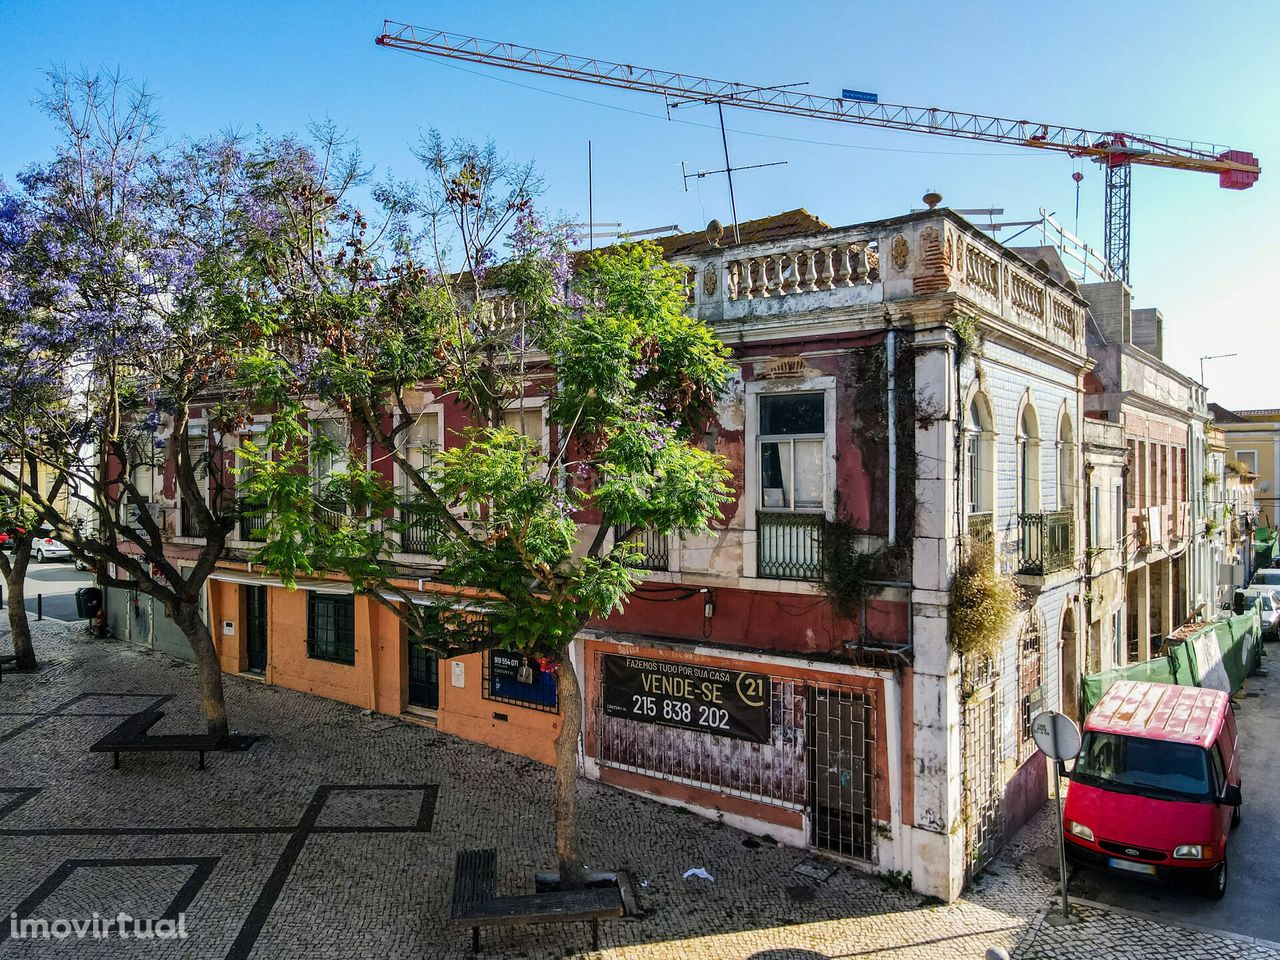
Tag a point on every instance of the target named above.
point(1216, 882)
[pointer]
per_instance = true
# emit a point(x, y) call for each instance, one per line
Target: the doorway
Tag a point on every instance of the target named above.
point(840, 771)
point(424, 678)
point(255, 629)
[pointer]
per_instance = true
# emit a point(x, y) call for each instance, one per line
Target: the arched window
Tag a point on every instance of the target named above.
point(1066, 464)
point(979, 456)
point(1031, 677)
point(1028, 442)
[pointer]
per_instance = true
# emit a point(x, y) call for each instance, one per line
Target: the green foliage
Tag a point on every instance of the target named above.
point(848, 570)
point(984, 604)
point(1210, 479)
point(628, 378)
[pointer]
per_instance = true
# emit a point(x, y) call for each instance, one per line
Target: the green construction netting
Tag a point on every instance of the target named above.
point(1220, 656)
point(1264, 546)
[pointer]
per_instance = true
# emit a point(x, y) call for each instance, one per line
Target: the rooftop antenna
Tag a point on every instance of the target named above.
point(724, 142)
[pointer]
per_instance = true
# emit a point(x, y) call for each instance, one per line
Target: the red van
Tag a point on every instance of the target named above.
point(1155, 789)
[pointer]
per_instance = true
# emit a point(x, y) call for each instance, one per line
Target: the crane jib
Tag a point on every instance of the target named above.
point(1237, 169)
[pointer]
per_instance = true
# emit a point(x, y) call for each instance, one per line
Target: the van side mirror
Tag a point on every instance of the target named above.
point(1231, 796)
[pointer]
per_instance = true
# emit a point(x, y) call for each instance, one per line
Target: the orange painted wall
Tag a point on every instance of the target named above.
point(287, 660)
point(466, 713)
point(379, 679)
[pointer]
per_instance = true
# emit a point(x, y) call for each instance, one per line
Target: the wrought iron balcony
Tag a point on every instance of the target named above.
point(253, 520)
point(1046, 542)
point(981, 529)
point(421, 535)
point(789, 545)
point(657, 553)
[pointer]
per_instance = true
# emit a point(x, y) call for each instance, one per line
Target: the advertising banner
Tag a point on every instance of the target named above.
point(726, 703)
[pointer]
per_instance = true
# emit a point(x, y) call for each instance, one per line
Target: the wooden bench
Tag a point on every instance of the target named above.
point(476, 903)
point(131, 737)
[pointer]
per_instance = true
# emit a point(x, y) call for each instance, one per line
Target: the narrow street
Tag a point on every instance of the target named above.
point(57, 581)
point(1254, 850)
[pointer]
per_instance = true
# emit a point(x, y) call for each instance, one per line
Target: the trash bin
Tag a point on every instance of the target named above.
point(88, 602)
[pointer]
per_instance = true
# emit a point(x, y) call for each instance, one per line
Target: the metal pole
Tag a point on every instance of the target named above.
point(1062, 841)
point(728, 172)
point(591, 216)
point(39, 606)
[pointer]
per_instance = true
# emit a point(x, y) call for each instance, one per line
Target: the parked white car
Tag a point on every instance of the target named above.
point(1266, 577)
point(44, 548)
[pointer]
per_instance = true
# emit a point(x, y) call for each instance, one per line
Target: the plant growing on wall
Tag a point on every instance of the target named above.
point(984, 603)
point(1210, 479)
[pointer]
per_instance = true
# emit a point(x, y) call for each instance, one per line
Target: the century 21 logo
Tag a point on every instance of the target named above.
point(751, 690)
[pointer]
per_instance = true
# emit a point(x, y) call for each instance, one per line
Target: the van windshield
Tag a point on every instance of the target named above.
point(1135, 765)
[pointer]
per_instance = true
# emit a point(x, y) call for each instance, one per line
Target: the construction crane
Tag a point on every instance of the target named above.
point(1116, 151)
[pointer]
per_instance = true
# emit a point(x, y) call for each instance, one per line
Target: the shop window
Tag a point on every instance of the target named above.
point(331, 627)
point(518, 679)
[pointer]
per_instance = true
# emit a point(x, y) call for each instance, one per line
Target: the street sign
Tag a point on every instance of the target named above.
point(1056, 735)
point(1059, 738)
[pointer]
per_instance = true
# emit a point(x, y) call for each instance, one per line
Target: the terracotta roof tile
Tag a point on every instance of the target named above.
point(791, 223)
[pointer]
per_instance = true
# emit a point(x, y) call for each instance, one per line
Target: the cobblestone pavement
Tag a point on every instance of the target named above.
point(334, 837)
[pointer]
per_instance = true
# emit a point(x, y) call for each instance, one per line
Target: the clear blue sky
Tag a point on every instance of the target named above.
point(1205, 256)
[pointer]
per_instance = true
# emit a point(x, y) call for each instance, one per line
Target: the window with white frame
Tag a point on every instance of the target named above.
point(1028, 446)
point(420, 441)
point(979, 459)
point(525, 420)
point(791, 447)
point(330, 454)
point(1066, 465)
point(1249, 458)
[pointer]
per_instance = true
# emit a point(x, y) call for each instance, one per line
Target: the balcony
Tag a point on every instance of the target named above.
point(657, 555)
point(1046, 542)
point(252, 523)
point(421, 535)
point(789, 545)
point(981, 530)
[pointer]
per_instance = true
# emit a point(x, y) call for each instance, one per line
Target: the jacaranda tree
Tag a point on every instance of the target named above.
point(462, 294)
point(123, 287)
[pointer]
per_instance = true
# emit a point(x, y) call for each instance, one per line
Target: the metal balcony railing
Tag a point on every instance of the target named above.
point(1046, 542)
point(657, 553)
point(981, 529)
point(252, 525)
point(420, 535)
point(789, 545)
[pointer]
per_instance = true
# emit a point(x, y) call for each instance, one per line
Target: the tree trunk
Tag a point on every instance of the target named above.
point(19, 628)
point(197, 633)
point(565, 798)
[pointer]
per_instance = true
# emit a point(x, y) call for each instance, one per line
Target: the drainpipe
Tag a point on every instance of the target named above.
point(891, 364)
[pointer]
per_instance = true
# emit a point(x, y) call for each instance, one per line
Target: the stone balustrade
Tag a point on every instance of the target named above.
point(803, 269)
point(853, 267)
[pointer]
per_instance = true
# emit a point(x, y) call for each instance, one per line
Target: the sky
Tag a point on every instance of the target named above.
point(1205, 256)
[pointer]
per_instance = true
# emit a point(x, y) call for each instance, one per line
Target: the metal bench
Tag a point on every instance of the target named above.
point(476, 904)
point(131, 737)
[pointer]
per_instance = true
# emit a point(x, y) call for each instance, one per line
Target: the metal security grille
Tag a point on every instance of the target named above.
point(983, 794)
point(789, 545)
point(519, 680)
point(841, 770)
point(820, 758)
point(1030, 681)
